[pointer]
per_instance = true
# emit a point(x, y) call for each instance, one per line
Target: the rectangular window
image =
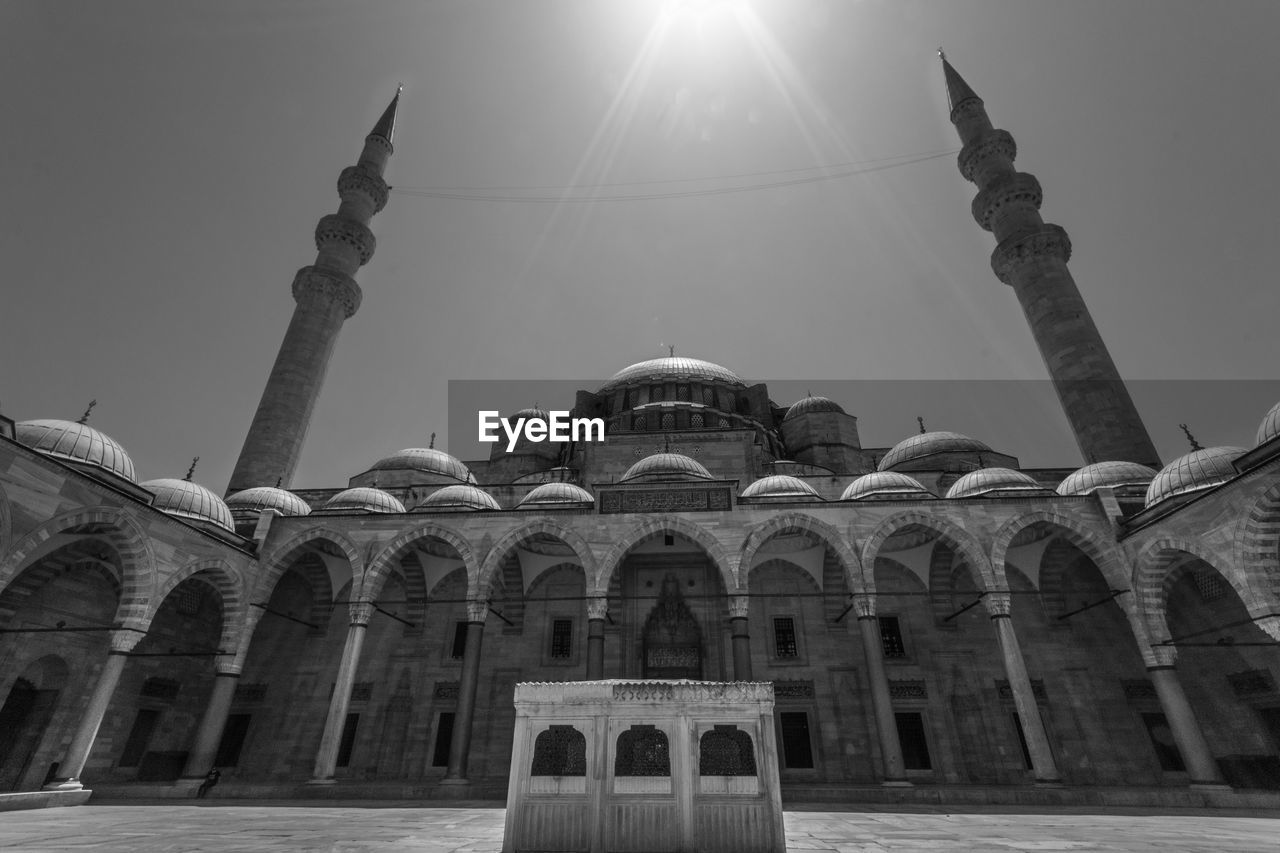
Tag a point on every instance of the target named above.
point(784, 637)
point(348, 740)
point(1022, 741)
point(891, 637)
point(915, 746)
point(1162, 739)
point(444, 735)
point(459, 641)
point(139, 736)
point(233, 735)
point(797, 752)
point(562, 638)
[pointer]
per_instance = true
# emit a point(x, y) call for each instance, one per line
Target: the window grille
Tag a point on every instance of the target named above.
point(784, 637)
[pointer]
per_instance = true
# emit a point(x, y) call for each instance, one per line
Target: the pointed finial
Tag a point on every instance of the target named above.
point(192, 470)
point(920, 420)
point(432, 445)
point(666, 444)
point(84, 419)
point(1195, 445)
point(279, 480)
point(982, 463)
point(942, 54)
point(672, 349)
point(958, 91)
point(386, 126)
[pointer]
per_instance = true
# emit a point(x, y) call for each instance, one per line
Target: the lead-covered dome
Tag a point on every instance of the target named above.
point(364, 499)
point(427, 460)
point(672, 367)
point(77, 443)
point(557, 494)
point(1197, 471)
point(995, 482)
point(459, 497)
point(885, 485)
point(250, 502)
point(930, 444)
point(667, 466)
point(1270, 426)
point(1106, 475)
point(185, 499)
point(812, 405)
point(780, 487)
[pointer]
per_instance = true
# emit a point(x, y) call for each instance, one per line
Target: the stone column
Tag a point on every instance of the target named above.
point(77, 754)
point(596, 609)
point(1024, 697)
point(209, 734)
point(895, 775)
point(1187, 734)
point(460, 745)
point(741, 639)
point(327, 755)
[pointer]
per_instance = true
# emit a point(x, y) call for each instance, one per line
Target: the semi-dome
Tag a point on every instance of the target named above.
point(812, 405)
point(364, 499)
point(994, 481)
point(1270, 426)
point(667, 466)
point(557, 494)
point(885, 484)
point(780, 487)
point(1198, 470)
point(672, 367)
point(460, 497)
point(185, 499)
point(429, 461)
point(929, 444)
point(250, 502)
point(77, 443)
point(1106, 475)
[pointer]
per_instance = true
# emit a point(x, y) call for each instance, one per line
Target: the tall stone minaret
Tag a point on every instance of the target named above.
point(327, 294)
point(1031, 257)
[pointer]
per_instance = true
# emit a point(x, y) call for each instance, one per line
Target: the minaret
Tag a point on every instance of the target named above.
point(1031, 257)
point(326, 294)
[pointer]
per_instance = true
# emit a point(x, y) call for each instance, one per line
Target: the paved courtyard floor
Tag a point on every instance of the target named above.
point(346, 827)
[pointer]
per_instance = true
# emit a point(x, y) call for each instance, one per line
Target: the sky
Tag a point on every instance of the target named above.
point(767, 184)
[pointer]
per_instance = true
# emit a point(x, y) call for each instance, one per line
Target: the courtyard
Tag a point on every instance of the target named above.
point(345, 827)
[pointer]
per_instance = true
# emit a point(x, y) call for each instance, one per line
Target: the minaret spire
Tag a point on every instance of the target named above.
point(1031, 257)
point(326, 294)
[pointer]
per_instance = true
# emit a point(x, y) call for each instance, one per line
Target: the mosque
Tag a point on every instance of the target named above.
point(930, 614)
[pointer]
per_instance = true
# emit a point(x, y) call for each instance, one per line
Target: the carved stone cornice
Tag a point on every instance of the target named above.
point(1018, 188)
point(996, 143)
point(334, 230)
point(1012, 254)
point(316, 282)
point(379, 142)
point(357, 179)
point(968, 108)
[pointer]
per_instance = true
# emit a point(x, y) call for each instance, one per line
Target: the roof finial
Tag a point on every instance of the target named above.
point(279, 480)
point(666, 444)
point(84, 419)
point(672, 349)
point(920, 420)
point(942, 54)
point(432, 445)
point(192, 470)
point(386, 126)
point(1195, 445)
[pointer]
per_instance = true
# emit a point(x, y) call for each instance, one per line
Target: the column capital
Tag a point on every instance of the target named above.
point(123, 640)
point(597, 607)
point(1165, 657)
point(230, 669)
point(864, 606)
point(738, 606)
point(477, 611)
point(361, 612)
point(998, 604)
point(319, 283)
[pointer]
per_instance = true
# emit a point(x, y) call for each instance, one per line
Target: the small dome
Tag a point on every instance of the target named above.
point(994, 481)
point(672, 367)
point(557, 494)
point(460, 497)
point(1270, 426)
point(363, 499)
point(1198, 470)
point(428, 460)
point(186, 499)
point(250, 502)
point(76, 442)
point(928, 444)
point(531, 412)
point(885, 484)
point(667, 466)
point(1107, 475)
point(812, 405)
point(780, 487)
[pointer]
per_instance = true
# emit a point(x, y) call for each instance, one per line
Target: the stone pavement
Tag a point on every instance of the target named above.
point(346, 827)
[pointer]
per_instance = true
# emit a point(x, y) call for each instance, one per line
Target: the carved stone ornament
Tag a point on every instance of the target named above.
point(334, 229)
point(357, 179)
point(998, 603)
point(997, 143)
point(361, 612)
point(908, 689)
point(1012, 254)
point(1253, 682)
point(314, 282)
point(446, 690)
point(793, 689)
point(597, 607)
point(1018, 188)
point(477, 611)
point(739, 605)
point(968, 108)
point(864, 606)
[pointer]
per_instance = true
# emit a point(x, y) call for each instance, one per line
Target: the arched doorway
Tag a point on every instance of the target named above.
point(25, 717)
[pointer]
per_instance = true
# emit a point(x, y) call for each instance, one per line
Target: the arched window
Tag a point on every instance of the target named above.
point(642, 751)
point(726, 751)
point(560, 751)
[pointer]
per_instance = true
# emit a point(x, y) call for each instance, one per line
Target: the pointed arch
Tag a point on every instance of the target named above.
point(1258, 547)
point(389, 557)
point(278, 562)
point(1152, 578)
point(117, 528)
point(226, 581)
point(652, 526)
point(6, 522)
point(956, 537)
point(538, 526)
point(1105, 555)
point(826, 533)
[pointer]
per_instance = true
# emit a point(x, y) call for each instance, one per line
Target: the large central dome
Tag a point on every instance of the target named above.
point(672, 367)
